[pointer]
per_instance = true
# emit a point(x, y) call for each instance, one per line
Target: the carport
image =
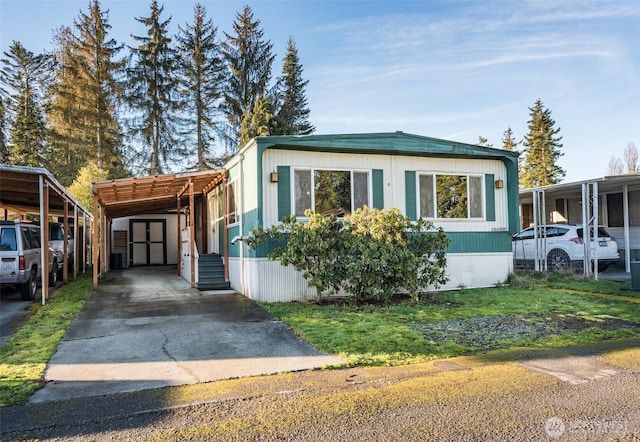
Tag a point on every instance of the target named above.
point(171, 193)
point(610, 201)
point(33, 190)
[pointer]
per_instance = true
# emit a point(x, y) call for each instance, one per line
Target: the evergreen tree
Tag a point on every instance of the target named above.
point(508, 141)
point(249, 58)
point(24, 75)
point(4, 147)
point(293, 113)
point(85, 97)
point(259, 122)
point(541, 150)
point(202, 80)
point(153, 95)
point(482, 141)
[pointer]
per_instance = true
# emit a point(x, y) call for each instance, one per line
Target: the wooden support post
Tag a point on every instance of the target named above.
point(44, 226)
point(94, 240)
point(65, 253)
point(192, 233)
point(179, 236)
point(225, 234)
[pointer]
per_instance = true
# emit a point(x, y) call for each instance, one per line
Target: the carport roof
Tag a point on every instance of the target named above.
point(20, 191)
point(606, 184)
point(159, 193)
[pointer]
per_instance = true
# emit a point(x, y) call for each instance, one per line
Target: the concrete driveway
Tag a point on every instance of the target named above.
point(147, 328)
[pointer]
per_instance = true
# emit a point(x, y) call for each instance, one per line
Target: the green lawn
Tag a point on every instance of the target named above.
point(533, 311)
point(24, 357)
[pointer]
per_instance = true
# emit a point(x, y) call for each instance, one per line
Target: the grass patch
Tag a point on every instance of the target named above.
point(25, 356)
point(532, 311)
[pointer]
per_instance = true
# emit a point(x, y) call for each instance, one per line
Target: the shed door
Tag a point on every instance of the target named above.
point(148, 242)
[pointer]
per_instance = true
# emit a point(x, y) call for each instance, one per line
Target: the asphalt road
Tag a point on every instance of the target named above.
point(521, 395)
point(13, 310)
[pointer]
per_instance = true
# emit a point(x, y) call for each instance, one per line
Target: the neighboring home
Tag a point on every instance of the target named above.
point(471, 191)
point(616, 199)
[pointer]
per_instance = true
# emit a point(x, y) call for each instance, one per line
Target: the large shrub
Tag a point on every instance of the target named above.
point(371, 254)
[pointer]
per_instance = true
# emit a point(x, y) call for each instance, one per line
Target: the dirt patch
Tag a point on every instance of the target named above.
point(491, 331)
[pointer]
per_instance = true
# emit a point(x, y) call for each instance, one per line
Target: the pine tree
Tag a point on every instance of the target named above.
point(202, 80)
point(541, 150)
point(508, 141)
point(4, 147)
point(259, 122)
point(293, 112)
point(153, 95)
point(482, 141)
point(24, 75)
point(86, 95)
point(249, 58)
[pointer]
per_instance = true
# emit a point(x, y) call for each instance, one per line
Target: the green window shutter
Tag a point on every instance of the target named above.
point(284, 191)
point(490, 192)
point(410, 193)
point(377, 184)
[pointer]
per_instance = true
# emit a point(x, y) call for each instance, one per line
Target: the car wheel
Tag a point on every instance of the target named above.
point(53, 275)
point(29, 288)
point(558, 261)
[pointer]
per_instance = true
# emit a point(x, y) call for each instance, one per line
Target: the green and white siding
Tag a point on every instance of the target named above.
point(480, 252)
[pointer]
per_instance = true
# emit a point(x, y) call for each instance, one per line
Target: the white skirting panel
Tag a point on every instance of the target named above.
point(268, 281)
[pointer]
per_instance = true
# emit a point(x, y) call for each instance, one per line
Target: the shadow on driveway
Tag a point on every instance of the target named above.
point(147, 328)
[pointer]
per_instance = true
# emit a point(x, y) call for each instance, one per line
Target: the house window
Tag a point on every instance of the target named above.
point(450, 196)
point(232, 206)
point(330, 192)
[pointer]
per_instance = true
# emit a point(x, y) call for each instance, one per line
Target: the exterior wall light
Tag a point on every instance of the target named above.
point(499, 184)
point(273, 177)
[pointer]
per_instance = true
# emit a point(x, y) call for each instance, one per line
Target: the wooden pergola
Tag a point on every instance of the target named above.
point(33, 190)
point(153, 194)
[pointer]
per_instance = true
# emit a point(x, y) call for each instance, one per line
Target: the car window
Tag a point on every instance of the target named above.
point(8, 239)
point(35, 237)
point(26, 238)
point(525, 234)
point(602, 233)
point(556, 231)
point(56, 232)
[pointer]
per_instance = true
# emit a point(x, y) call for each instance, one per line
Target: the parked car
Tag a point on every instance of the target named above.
point(565, 247)
point(56, 242)
point(20, 258)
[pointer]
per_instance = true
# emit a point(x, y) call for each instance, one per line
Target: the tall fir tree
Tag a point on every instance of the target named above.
point(86, 95)
point(24, 74)
point(202, 80)
point(541, 150)
point(293, 112)
point(508, 140)
point(153, 96)
point(248, 58)
point(4, 146)
point(259, 122)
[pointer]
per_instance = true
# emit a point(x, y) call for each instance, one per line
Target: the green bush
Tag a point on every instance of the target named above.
point(371, 254)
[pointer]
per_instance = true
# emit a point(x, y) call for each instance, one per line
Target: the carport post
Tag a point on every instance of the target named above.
point(192, 233)
point(65, 242)
point(627, 245)
point(44, 231)
point(94, 240)
point(179, 236)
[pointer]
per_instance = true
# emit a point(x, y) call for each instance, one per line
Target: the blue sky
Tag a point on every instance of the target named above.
point(447, 69)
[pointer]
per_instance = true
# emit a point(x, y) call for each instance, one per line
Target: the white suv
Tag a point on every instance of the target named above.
point(20, 263)
point(565, 247)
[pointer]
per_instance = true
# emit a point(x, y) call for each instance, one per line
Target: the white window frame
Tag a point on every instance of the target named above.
point(312, 171)
point(434, 176)
point(236, 212)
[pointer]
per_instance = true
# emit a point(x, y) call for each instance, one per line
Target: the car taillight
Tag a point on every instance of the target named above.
point(576, 240)
point(21, 262)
